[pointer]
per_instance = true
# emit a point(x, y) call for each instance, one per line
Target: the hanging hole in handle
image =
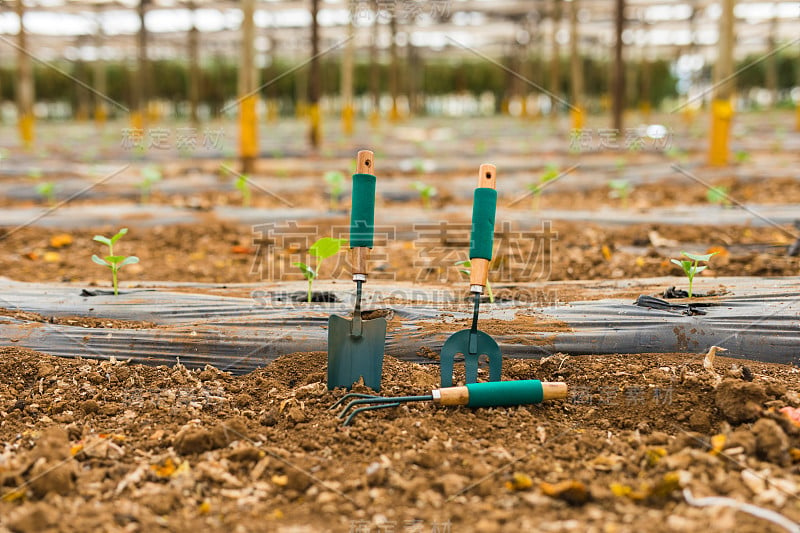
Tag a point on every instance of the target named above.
point(367, 162)
point(488, 175)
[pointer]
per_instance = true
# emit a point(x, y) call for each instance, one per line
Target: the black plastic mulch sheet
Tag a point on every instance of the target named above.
point(241, 334)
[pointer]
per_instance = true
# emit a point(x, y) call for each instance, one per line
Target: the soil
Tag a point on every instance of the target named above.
point(78, 321)
point(118, 447)
point(114, 446)
point(222, 252)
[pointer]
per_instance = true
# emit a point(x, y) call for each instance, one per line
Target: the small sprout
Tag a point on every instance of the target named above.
point(114, 262)
point(690, 266)
point(620, 188)
point(426, 192)
point(741, 156)
point(47, 190)
point(718, 196)
point(466, 271)
point(150, 175)
point(335, 181)
point(550, 173)
point(242, 183)
point(322, 249)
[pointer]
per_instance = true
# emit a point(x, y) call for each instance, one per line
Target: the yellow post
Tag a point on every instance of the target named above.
point(721, 115)
point(25, 87)
point(315, 123)
point(248, 122)
point(26, 129)
point(137, 120)
point(721, 108)
point(248, 94)
point(578, 119)
point(797, 122)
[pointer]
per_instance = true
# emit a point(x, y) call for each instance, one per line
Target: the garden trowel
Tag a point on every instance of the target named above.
point(355, 347)
point(471, 343)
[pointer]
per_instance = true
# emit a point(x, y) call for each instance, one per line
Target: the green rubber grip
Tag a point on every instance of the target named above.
point(362, 212)
point(483, 210)
point(505, 393)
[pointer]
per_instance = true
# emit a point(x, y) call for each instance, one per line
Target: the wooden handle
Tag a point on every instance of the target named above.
point(453, 396)
point(358, 258)
point(479, 271)
point(554, 390)
point(487, 176)
point(365, 162)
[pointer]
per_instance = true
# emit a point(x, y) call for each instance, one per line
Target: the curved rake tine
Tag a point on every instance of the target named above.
point(364, 400)
point(349, 395)
point(389, 402)
point(368, 408)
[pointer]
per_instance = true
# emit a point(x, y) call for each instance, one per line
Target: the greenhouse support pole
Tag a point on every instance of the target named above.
point(81, 72)
point(374, 71)
point(248, 93)
point(394, 69)
point(576, 68)
point(797, 105)
point(772, 59)
point(524, 71)
point(314, 81)
point(555, 59)
point(140, 84)
point(414, 73)
point(347, 76)
point(721, 108)
point(646, 86)
point(194, 68)
point(618, 81)
point(100, 79)
point(25, 87)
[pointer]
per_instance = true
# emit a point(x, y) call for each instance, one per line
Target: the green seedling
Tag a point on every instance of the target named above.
point(550, 173)
point(426, 192)
point(150, 175)
point(335, 181)
point(242, 183)
point(718, 196)
point(741, 156)
point(114, 262)
point(621, 189)
point(466, 271)
point(47, 190)
point(322, 249)
point(690, 266)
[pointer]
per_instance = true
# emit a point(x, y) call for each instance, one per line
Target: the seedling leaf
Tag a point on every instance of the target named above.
point(103, 240)
point(326, 247)
point(307, 271)
point(119, 235)
point(99, 261)
point(129, 261)
point(697, 257)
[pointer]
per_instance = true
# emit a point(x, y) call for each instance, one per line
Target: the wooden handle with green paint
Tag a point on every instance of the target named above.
point(362, 212)
point(501, 393)
point(481, 240)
